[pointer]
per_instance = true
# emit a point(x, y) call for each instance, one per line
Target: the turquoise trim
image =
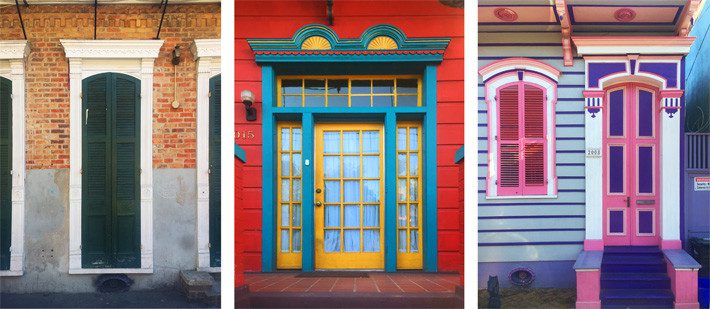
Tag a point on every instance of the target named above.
point(459, 155)
point(240, 153)
point(268, 199)
point(429, 240)
point(390, 192)
point(307, 184)
point(359, 44)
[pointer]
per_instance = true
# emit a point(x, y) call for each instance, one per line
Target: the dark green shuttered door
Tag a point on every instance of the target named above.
point(5, 168)
point(215, 170)
point(111, 172)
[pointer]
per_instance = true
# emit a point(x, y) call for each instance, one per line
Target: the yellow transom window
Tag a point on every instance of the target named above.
point(349, 91)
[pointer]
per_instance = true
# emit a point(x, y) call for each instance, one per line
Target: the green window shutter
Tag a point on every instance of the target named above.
point(215, 111)
point(5, 169)
point(110, 216)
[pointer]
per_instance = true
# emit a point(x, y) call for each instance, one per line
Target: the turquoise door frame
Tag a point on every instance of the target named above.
point(309, 116)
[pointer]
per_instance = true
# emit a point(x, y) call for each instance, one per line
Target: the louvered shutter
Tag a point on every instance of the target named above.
point(5, 168)
point(509, 141)
point(534, 154)
point(110, 174)
point(126, 169)
point(215, 111)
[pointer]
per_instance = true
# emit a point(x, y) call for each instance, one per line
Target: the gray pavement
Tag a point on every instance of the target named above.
point(130, 299)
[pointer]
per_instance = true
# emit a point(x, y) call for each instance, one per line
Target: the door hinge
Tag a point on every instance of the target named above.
point(209, 94)
point(81, 95)
point(209, 245)
point(140, 171)
point(81, 171)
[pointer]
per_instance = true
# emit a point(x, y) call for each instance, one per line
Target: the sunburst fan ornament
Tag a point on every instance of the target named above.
point(316, 43)
point(382, 42)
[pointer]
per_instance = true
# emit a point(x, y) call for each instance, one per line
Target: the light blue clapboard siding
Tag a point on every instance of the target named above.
point(569, 130)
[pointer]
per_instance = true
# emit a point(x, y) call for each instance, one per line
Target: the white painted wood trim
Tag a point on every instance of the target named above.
point(620, 45)
point(131, 57)
point(88, 271)
point(670, 172)
point(12, 66)
point(593, 172)
point(207, 55)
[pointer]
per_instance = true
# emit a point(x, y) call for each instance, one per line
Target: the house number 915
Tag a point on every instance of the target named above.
point(244, 134)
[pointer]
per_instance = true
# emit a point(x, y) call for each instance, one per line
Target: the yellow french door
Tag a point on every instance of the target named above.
point(349, 196)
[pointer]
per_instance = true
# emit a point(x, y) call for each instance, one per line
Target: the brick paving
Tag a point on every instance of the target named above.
point(377, 282)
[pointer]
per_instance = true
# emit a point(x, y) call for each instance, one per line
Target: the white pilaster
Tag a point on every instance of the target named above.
point(670, 172)
point(75, 164)
point(146, 163)
point(593, 121)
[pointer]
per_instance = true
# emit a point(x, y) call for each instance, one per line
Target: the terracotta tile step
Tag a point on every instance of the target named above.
point(354, 300)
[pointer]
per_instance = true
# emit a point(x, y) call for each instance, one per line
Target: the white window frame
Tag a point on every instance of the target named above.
point(207, 53)
point(12, 66)
point(494, 80)
point(131, 57)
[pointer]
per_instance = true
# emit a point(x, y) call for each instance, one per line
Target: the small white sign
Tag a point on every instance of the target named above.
point(594, 152)
point(702, 183)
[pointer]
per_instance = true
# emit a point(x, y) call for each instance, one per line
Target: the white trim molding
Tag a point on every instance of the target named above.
point(207, 53)
point(12, 66)
point(593, 121)
point(622, 45)
point(670, 173)
point(90, 57)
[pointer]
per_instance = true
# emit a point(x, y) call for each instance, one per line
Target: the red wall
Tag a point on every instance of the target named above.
point(280, 19)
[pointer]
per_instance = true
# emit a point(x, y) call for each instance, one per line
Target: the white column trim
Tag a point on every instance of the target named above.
point(207, 53)
point(670, 173)
point(12, 66)
point(594, 197)
point(131, 57)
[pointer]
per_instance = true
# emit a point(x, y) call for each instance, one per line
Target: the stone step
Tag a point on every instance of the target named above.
point(201, 286)
point(635, 280)
point(632, 249)
point(635, 298)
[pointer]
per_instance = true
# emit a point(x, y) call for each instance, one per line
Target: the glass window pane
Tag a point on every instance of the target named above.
point(284, 215)
point(296, 240)
point(371, 191)
point(406, 86)
point(371, 166)
point(383, 86)
point(383, 101)
point(332, 191)
point(371, 240)
point(402, 215)
point(351, 142)
point(331, 142)
point(284, 240)
point(645, 169)
point(314, 86)
point(285, 139)
point(616, 169)
point(413, 215)
point(285, 190)
point(413, 164)
point(413, 139)
point(370, 141)
point(296, 164)
point(296, 190)
point(371, 216)
point(296, 139)
point(332, 216)
point(285, 164)
point(315, 101)
point(645, 110)
point(291, 86)
point(402, 241)
point(331, 164)
point(351, 216)
point(351, 191)
point(351, 166)
point(413, 241)
point(407, 100)
point(337, 101)
point(360, 86)
point(296, 215)
point(401, 190)
point(351, 240)
point(401, 164)
point(332, 241)
point(360, 101)
point(292, 101)
point(413, 189)
point(616, 113)
point(337, 86)
point(401, 139)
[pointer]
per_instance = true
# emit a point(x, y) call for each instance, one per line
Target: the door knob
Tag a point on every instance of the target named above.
point(319, 204)
point(318, 190)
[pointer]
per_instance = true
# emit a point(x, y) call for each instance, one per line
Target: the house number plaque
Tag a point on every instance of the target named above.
point(594, 152)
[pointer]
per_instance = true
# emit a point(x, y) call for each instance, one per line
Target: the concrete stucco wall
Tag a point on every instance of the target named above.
point(47, 234)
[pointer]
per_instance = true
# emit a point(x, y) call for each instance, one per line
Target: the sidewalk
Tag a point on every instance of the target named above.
point(131, 299)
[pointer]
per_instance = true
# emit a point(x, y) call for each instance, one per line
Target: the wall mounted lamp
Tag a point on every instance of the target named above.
point(248, 99)
point(176, 55)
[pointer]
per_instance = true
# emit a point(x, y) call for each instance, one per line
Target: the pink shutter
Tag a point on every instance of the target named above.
point(509, 141)
point(508, 103)
point(534, 143)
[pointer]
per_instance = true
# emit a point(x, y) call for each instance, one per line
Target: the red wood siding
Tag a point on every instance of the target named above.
point(280, 19)
point(238, 223)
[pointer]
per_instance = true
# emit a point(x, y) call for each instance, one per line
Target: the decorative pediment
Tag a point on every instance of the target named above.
point(111, 49)
point(15, 49)
point(206, 48)
point(320, 43)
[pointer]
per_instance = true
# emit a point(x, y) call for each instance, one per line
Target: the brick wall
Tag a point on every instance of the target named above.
point(47, 78)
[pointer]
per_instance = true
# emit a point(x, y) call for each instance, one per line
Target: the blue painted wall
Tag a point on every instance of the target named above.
point(697, 76)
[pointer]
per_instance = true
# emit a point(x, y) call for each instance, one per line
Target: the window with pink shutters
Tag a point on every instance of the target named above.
point(521, 140)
